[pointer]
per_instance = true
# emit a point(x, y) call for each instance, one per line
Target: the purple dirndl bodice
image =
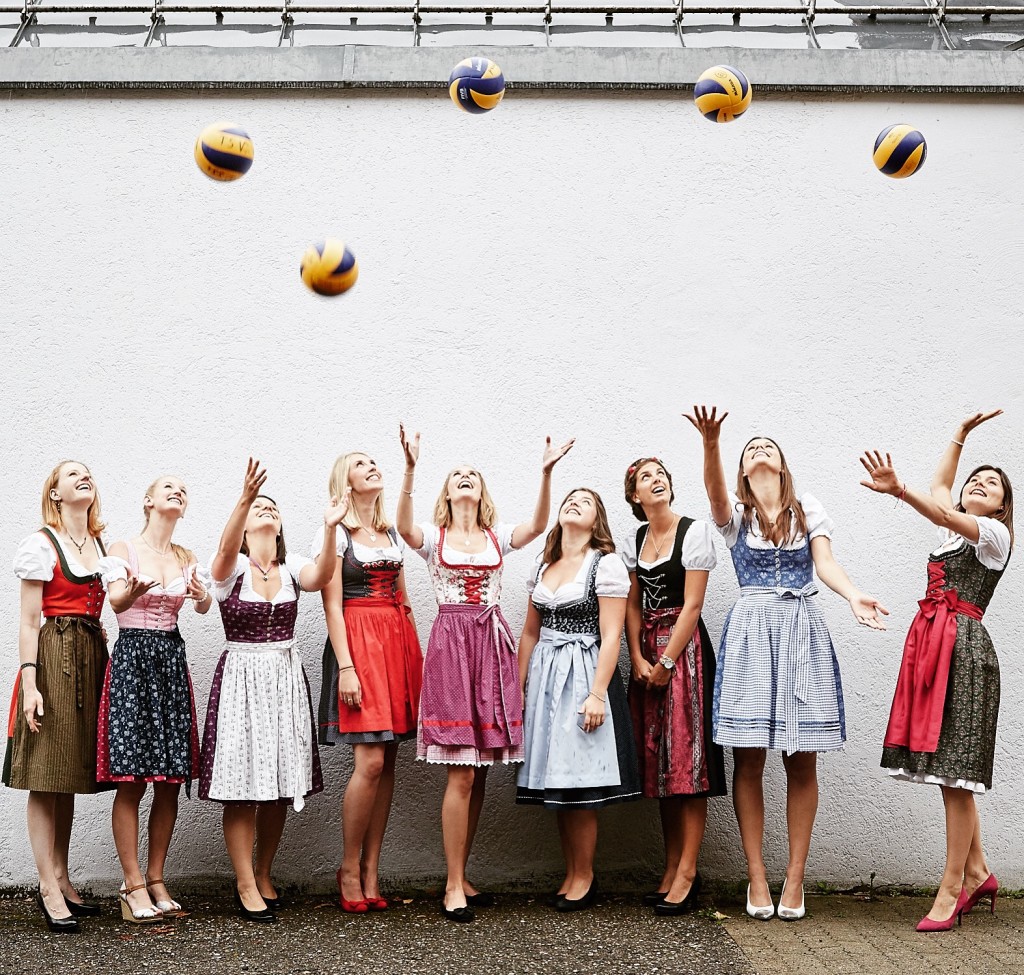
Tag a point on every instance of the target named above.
point(259, 621)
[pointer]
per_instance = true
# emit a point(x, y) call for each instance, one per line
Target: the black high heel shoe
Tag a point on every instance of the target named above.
point(82, 909)
point(565, 904)
point(685, 906)
point(653, 897)
point(266, 916)
point(62, 925)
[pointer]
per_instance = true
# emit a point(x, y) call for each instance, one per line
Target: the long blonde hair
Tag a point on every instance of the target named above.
point(792, 522)
point(52, 516)
point(338, 484)
point(184, 556)
point(486, 514)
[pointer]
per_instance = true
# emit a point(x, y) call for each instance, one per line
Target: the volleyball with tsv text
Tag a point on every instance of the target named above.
point(722, 93)
point(329, 268)
point(224, 151)
point(476, 85)
point(900, 151)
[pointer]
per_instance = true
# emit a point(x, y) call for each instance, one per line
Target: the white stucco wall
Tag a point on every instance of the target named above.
point(583, 266)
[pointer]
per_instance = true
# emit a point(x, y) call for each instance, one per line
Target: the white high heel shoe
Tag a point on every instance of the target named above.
point(760, 913)
point(791, 913)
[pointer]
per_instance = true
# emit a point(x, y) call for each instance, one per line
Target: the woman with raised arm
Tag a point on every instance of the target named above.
point(471, 704)
point(51, 747)
point(942, 726)
point(578, 740)
point(673, 675)
point(147, 723)
point(372, 670)
point(259, 744)
point(777, 686)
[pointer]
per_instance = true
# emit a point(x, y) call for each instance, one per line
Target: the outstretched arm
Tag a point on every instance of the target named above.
point(231, 538)
point(945, 473)
point(407, 528)
point(709, 426)
point(527, 531)
point(866, 609)
point(314, 577)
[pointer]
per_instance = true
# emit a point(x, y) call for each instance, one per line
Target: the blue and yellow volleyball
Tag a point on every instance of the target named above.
point(476, 85)
point(329, 268)
point(900, 151)
point(224, 151)
point(722, 93)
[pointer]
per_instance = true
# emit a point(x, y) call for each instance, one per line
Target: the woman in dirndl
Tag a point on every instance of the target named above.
point(942, 725)
point(673, 675)
point(259, 752)
point(471, 703)
point(147, 722)
point(777, 685)
point(51, 746)
point(578, 738)
point(372, 670)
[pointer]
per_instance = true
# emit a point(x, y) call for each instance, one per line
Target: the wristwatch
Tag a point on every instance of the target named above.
point(666, 661)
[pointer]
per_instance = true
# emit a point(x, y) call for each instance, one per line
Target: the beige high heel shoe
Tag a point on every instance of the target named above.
point(147, 915)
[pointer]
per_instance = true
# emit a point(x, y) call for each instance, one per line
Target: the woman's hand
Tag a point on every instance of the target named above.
point(336, 510)
point(974, 420)
point(32, 705)
point(552, 455)
point(411, 447)
point(255, 477)
point(350, 691)
point(866, 610)
point(709, 426)
point(641, 670)
point(195, 589)
point(883, 475)
point(593, 713)
point(659, 676)
point(134, 587)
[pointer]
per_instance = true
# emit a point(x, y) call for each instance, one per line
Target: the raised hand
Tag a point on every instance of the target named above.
point(135, 587)
point(337, 510)
point(975, 420)
point(883, 475)
point(866, 610)
point(709, 426)
point(411, 447)
point(552, 455)
point(195, 589)
point(255, 478)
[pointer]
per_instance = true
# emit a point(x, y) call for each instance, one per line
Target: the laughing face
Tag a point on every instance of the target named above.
point(983, 494)
point(167, 496)
point(74, 483)
point(578, 510)
point(263, 516)
point(652, 486)
point(464, 484)
point(363, 474)
point(761, 453)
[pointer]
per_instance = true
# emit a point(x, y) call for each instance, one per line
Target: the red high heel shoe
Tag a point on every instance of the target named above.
point(987, 888)
point(350, 907)
point(927, 925)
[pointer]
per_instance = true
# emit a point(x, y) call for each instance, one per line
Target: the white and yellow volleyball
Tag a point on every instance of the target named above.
point(329, 268)
point(224, 151)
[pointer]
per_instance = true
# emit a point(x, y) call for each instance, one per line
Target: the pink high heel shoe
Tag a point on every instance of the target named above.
point(987, 888)
point(927, 925)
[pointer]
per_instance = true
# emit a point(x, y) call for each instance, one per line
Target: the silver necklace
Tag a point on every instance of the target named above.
point(654, 541)
point(153, 548)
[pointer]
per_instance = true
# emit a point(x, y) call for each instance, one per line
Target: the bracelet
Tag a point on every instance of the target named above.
point(903, 493)
point(407, 492)
point(959, 443)
point(666, 661)
point(342, 670)
point(598, 696)
point(29, 663)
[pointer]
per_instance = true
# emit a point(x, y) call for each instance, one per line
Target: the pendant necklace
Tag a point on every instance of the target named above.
point(654, 542)
point(264, 572)
point(73, 542)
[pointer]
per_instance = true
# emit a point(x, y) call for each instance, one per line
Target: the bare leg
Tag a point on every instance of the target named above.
point(581, 833)
point(163, 814)
point(64, 820)
point(270, 817)
point(357, 814)
point(961, 822)
point(369, 873)
point(801, 810)
point(568, 853)
point(977, 870)
point(455, 828)
point(692, 822)
point(476, 803)
point(41, 815)
point(240, 838)
point(748, 801)
point(124, 821)
point(671, 812)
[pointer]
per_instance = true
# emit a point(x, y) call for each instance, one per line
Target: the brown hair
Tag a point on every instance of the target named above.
point(51, 509)
point(792, 522)
point(600, 537)
point(337, 485)
point(632, 472)
point(184, 556)
point(282, 552)
point(486, 515)
point(1006, 516)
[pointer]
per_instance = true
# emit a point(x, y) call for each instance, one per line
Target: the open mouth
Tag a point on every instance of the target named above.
point(84, 487)
point(465, 483)
point(572, 509)
point(374, 476)
point(175, 499)
point(660, 489)
point(978, 492)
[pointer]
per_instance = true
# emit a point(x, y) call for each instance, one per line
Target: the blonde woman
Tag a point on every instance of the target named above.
point(371, 673)
point(471, 707)
point(777, 685)
point(51, 749)
point(147, 723)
